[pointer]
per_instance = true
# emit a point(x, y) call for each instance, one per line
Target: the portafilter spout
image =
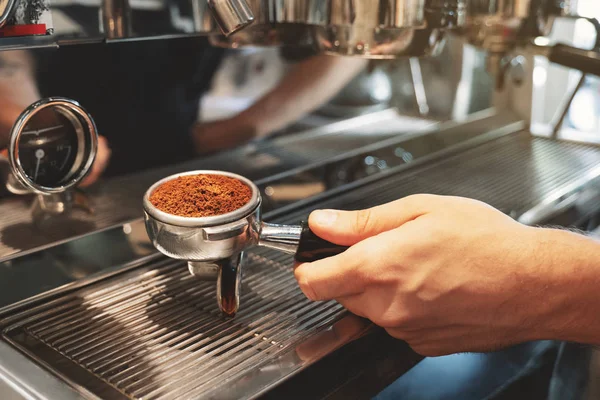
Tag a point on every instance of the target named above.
point(231, 15)
point(214, 246)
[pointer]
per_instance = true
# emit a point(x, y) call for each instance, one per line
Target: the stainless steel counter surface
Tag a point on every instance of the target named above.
point(22, 380)
point(507, 168)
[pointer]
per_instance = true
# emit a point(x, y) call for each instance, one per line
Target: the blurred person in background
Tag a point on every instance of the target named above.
point(145, 97)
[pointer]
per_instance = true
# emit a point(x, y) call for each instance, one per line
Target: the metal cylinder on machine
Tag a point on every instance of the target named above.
point(116, 18)
point(231, 15)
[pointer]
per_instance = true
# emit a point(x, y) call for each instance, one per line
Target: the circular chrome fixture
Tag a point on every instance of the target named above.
point(53, 145)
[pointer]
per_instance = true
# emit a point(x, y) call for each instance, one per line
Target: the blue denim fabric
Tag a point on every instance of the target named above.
point(474, 376)
point(571, 372)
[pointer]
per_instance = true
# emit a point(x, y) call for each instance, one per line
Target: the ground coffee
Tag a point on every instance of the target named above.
point(201, 195)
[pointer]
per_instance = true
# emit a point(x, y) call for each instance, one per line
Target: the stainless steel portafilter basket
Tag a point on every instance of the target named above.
point(214, 246)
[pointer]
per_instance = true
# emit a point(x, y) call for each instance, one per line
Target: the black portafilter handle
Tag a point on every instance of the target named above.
point(586, 61)
point(312, 248)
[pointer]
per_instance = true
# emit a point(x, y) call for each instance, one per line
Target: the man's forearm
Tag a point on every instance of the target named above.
point(306, 87)
point(12, 62)
point(18, 88)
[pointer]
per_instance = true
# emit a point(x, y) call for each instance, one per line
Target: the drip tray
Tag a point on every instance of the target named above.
point(157, 333)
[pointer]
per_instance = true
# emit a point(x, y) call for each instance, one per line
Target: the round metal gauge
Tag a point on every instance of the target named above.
point(53, 145)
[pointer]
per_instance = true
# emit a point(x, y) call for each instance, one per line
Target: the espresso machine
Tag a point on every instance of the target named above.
point(90, 308)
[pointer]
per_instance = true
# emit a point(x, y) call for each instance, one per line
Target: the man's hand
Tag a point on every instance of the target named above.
point(100, 164)
point(451, 275)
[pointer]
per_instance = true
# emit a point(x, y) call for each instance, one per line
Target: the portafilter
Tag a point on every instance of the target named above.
point(214, 246)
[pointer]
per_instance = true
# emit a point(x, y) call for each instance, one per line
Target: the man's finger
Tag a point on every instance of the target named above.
point(349, 227)
point(342, 275)
point(352, 304)
point(330, 278)
point(100, 164)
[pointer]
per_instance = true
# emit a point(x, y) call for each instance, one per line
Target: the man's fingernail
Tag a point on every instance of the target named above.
point(325, 217)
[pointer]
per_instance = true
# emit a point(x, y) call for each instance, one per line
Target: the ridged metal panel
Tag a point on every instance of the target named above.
point(513, 173)
point(158, 334)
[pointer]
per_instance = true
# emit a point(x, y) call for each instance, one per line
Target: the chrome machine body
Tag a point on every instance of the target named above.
point(91, 308)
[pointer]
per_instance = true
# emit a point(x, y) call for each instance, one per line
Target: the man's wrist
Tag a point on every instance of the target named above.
point(567, 268)
point(214, 136)
point(248, 121)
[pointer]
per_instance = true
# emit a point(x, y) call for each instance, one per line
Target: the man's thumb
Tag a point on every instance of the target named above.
point(347, 228)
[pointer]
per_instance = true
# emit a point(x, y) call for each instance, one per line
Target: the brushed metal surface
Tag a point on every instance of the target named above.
point(513, 173)
point(157, 333)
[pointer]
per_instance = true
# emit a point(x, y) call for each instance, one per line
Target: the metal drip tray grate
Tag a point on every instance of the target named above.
point(158, 334)
point(514, 173)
